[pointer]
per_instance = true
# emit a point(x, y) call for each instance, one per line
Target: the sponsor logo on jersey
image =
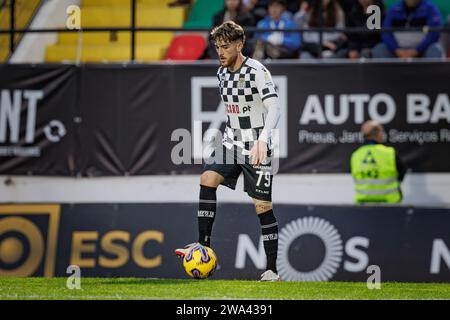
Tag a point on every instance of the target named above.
point(246, 109)
point(232, 108)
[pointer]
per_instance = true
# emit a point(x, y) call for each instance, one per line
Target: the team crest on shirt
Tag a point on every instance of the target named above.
point(222, 79)
point(241, 82)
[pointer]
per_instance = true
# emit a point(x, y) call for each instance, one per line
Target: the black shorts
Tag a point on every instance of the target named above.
point(230, 164)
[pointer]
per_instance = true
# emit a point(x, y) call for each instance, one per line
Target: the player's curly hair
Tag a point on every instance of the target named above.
point(228, 31)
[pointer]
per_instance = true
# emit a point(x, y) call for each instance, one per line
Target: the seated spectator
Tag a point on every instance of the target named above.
point(235, 11)
point(360, 44)
point(333, 43)
point(347, 5)
point(292, 6)
point(277, 44)
point(258, 8)
point(410, 13)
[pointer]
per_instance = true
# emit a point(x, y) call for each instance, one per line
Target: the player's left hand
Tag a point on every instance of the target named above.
point(258, 153)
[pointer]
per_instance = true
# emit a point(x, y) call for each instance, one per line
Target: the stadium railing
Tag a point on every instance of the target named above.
point(133, 29)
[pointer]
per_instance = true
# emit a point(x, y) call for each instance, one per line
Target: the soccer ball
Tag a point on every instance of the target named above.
point(200, 262)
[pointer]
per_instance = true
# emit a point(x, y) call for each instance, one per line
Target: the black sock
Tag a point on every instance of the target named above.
point(206, 214)
point(269, 229)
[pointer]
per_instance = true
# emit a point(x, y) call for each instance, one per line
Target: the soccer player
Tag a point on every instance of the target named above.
point(253, 110)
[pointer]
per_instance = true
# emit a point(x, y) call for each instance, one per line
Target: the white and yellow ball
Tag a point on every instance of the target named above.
point(200, 262)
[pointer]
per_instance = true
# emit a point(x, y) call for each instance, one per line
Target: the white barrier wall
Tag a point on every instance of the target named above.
point(431, 189)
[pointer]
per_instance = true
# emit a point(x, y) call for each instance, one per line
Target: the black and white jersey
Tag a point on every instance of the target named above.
point(246, 93)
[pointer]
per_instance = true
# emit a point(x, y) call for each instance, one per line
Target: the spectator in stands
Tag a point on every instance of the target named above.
point(333, 43)
point(377, 170)
point(361, 44)
point(292, 6)
point(347, 5)
point(234, 10)
point(258, 8)
point(277, 44)
point(411, 13)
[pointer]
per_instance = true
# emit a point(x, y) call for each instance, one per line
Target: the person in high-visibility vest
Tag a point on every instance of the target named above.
point(376, 169)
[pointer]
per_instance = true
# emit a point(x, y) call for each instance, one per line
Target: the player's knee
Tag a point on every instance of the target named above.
point(262, 206)
point(210, 179)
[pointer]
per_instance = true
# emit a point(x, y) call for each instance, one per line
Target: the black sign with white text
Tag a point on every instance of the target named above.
point(316, 243)
point(97, 120)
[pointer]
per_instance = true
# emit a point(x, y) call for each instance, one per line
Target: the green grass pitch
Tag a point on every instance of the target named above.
point(136, 289)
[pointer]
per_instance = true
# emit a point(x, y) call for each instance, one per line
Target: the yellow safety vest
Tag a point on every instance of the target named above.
point(375, 174)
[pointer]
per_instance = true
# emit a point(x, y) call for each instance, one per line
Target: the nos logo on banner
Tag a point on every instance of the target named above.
point(294, 262)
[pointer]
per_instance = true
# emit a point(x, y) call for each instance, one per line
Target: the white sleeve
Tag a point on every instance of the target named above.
point(269, 96)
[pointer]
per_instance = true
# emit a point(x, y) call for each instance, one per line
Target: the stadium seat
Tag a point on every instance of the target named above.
point(186, 47)
point(90, 38)
point(119, 16)
point(156, 3)
point(4, 38)
point(24, 12)
point(202, 13)
point(104, 53)
point(115, 46)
